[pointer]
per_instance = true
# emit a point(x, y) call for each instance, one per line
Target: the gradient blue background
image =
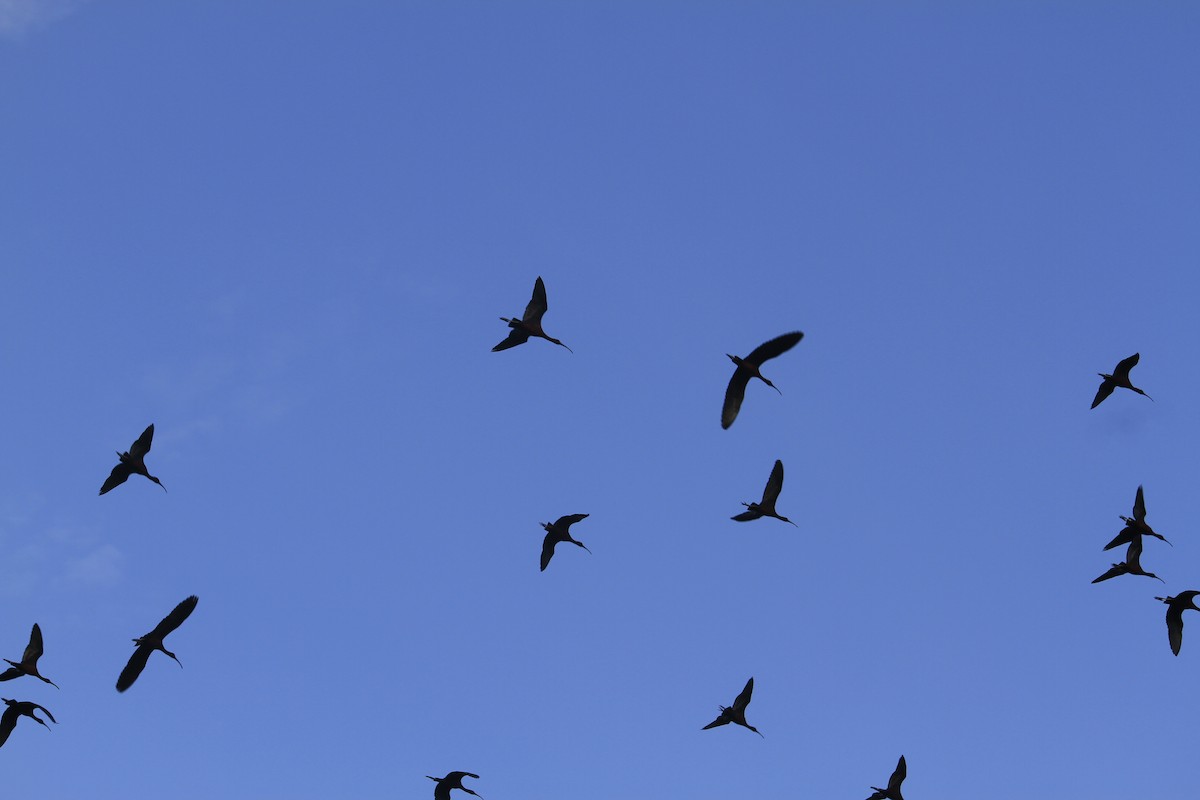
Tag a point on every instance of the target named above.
point(283, 232)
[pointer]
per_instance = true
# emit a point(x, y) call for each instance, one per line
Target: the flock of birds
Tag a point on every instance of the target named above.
point(529, 325)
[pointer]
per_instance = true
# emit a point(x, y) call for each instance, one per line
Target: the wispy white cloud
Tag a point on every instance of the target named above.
point(18, 17)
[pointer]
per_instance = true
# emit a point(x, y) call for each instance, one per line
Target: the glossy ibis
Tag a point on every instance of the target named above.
point(1135, 526)
point(132, 462)
point(1175, 607)
point(1120, 377)
point(1132, 565)
point(766, 508)
point(558, 531)
point(748, 368)
point(16, 709)
point(736, 713)
point(531, 323)
point(154, 641)
point(892, 792)
point(28, 663)
point(453, 780)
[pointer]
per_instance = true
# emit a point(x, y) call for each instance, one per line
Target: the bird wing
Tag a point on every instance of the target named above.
point(120, 473)
point(569, 520)
point(1106, 388)
point(173, 620)
point(1174, 627)
point(774, 485)
point(747, 515)
point(734, 392)
point(8, 721)
point(10, 673)
point(1126, 536)
point(548, 549)
point(515, 337)
point(878, 796)
point(743, 699)
point(776, 347)
point(718, 721)
point(457, 777)
point(898, 776)
point(1121, 373)
point(142, 445)
point(1139, 507)
point(1117, 569)
point(537, 304)
point(49, 716)
point(137, 663)
point(1133, 556)
point(33, 651)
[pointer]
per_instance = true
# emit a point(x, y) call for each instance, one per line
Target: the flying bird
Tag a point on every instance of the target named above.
point(132, 462)
point(154, 641)
point(892, 792)
point(748, 368)
point(766, 508)
point(15, 709)
point(453, 780)
point(1120, 377)
point(736, 713)
point(1175, 607)
point(556, 532)
point(1135, 526)
point(531, 323)
point(28, 663)
point(1132, 565)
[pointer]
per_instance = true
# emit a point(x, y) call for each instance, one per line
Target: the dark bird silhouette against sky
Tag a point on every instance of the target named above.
point(748, 368)
point(28, 663)
point(892, 792)
point(1132, 565)
point(1135, 526)
point(1119, 378)
point(531, 323)
point(154, 641)
point(132, 462)
point(15, 709)
point(558, 531)
point(453, 780)
point(736, 713)
point(766, 508)
point(1175, 607)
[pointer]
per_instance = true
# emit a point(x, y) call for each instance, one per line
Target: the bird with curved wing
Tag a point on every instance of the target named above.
point(154, 641)
point(1119, 379)
point(736, 713)
point(132, 462)
point(530, 323)
point(559, 531)
point(766, 508)
point(748, 368)
point(28, 663)
point(17, 708)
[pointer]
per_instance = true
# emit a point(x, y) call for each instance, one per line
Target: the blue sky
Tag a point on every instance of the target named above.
point(284, 232)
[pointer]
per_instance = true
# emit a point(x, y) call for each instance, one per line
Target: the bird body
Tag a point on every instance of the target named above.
point(892, 792)
point(766, 508)
point(154, 641)
point(132, 462)
point(530, 323)
point(1132, 565)
point(17, 708)
point(453, 780)
point(559, 531)
point(1175, 607)
point(736, 713)
point(1119, 378)
point(750, 367)
point(28, 663)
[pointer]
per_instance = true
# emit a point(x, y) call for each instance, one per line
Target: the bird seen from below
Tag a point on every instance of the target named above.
point(15, 709)
point(28, 663)
point(558, 531)
point(1132, 565)
point(748, 368)
point(1135, 526)
point(154, 641)
point(453, 780)
point(132, 462)
point(766, 508)
point(1175, 607)
point(892, 792)
point(736, 713)
point(530, 324)
point(1119, 378)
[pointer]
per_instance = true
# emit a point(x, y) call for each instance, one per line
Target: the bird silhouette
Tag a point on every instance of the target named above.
point(15, 709)
point(453, 780)
point(736, 713)
point(132, 462)
point(892, 792)
point(1175, 607)
point(748, 368)
point(1135, 526)
point(1120, 377)
point(1132, 565)
point(154, 641)
point(28, 663)
point(556, 532)
point(766, 508)
point(531, 323)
